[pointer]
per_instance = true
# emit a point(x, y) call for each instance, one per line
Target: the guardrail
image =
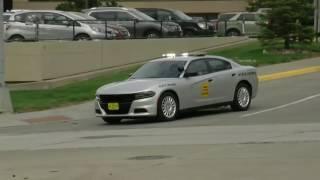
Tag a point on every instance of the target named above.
point(97, 29)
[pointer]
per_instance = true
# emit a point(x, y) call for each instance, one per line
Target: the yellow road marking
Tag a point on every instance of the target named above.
point(290, 73)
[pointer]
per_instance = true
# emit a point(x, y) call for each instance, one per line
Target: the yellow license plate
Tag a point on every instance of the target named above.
point(113, 106)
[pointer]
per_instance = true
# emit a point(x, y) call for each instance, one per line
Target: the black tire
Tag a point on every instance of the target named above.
point(82, 37)
point(236, 105)
point(112, 120)
point(161, 115)
point(16, 38)
point(233, 32)
point(188, 33)
point(151, 34)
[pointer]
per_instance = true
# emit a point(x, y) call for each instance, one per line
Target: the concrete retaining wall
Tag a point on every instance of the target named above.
point(45, 60)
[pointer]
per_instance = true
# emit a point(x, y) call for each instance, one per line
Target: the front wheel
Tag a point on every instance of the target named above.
point(16, 38)
point(168, 107)
point(242, 98)
point(112, 120)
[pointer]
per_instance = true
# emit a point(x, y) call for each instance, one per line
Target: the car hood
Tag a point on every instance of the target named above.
point(133, 86)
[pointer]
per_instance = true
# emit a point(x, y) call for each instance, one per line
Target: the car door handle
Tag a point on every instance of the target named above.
point(233, 74)
point(210, 80)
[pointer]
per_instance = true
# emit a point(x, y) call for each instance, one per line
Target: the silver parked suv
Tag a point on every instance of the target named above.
point(139, 24)
point(54, 25)
point(236, 24)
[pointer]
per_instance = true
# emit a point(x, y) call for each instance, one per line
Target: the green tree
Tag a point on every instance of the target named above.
point(287, 20)
point(78, 5)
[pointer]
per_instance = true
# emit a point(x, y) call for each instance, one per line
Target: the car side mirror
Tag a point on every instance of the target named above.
point(190, 74)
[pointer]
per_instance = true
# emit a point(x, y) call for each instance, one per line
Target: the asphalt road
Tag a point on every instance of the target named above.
point(284, 101)
point(278, 139)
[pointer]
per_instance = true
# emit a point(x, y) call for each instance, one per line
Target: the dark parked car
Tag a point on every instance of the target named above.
point(190, 27)
point(139, 24)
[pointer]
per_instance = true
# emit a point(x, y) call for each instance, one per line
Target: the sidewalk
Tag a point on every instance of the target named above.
point(86, 110)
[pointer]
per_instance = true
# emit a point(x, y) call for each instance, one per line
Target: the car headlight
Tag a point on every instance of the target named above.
point(202, 25)
point(143, 95)
point(97, 97)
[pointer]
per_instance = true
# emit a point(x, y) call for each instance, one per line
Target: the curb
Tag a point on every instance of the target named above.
point(287, 74)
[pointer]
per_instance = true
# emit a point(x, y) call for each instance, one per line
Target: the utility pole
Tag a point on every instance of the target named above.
point(5, 100)
point(86, 3)
point(316, 17)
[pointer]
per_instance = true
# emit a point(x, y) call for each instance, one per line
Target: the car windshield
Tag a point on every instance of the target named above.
point(141, 15)
point(159, 69)
point(182, 15)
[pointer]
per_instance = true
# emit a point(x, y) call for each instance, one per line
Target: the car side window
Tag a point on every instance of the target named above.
point(28, 18)
point(217, 65)
point(20, 17)
point(55, 19)
point(108, 16)
point(152, 14)
point(124, 16)
point(164, 16)
point(199, 67)
point(249, 17)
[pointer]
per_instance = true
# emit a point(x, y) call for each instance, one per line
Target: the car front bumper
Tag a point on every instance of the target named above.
point(138, 109)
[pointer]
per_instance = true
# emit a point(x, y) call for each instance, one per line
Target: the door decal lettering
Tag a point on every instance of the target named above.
point(205, 89)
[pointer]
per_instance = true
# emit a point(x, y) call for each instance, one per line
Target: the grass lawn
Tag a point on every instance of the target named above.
point(254, 54)
point(251, 53)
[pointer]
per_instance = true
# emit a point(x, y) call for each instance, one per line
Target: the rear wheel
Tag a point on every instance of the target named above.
point(242, 98)
point(233, 32)
point(82, 37)
point(188, 33)
point(112, 120)
point(168, 107)
point(152, 34)
point(16, 38)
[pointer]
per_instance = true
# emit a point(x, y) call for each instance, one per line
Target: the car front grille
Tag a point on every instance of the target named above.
point(124, 100)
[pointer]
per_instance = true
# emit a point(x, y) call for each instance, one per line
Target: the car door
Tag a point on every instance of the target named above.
point(128, 21)
point(25, 25)
point(198, 79)
point(223, 81)
point(250, 23)
point(56, 26)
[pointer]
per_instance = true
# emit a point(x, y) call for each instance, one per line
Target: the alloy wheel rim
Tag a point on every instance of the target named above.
point(243, 97)
point(169, 107)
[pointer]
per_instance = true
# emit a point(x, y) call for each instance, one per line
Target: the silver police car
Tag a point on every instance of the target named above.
point(166, 86)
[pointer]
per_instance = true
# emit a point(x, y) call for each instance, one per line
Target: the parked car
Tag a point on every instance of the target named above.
point(189, 26)
point(166, 86)
point(6, 17)
point(242, 23)
point(139, 24)
point(51, 25)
